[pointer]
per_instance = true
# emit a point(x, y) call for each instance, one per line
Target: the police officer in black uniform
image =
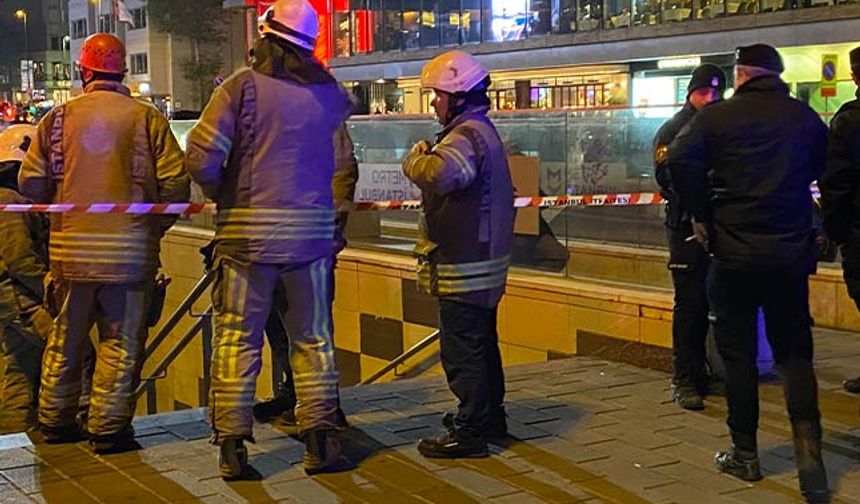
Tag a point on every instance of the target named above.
point(743, 169)
point(840, 191)
point(688, 260)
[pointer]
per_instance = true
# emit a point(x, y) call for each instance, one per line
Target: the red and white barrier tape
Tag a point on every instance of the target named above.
point(583, 200)
point(626, 199)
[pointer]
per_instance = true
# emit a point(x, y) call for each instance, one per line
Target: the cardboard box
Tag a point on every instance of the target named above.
point(525, 173)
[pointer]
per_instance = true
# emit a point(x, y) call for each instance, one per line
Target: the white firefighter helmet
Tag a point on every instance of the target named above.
point(295, 21)
point(14, 140)
point(453, 72)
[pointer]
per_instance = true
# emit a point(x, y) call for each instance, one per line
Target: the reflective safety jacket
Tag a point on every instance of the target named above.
point(105, 147)
point(262, 150)
point(467, 226)
point(23, 258)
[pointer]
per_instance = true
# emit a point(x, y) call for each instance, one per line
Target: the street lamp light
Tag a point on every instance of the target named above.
point(22, 15)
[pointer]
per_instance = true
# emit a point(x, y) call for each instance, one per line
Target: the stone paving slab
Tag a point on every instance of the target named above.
point(582, 430)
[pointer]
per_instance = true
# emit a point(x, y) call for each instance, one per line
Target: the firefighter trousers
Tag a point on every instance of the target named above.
point(120, 314)
point(22, 342)
point(242, 299)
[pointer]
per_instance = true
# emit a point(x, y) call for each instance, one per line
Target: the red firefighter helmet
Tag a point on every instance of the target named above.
point(102, 52)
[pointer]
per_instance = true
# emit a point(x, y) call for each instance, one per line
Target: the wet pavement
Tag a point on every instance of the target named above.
point(583, 430)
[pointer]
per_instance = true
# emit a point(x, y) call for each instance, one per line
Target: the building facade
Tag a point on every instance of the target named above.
point(35, 63)
point(563, 54)
point(155, 59)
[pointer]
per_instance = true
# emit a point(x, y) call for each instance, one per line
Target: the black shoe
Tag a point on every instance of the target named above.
point(497, 427)
point(852, 385)
point(233, 461)
point(322, 451)
point(746, 468)
point(281, 405)
point(62, 435)
point(810, 466)
point(715, 386)
point(450, 445)
point(687, 396)
point(121, 442)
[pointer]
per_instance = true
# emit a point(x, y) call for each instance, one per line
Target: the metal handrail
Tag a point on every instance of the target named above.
point(173, 353)
point(181, 311)
point(421, 345)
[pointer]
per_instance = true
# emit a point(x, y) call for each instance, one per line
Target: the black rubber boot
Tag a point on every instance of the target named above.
point(282, 405)
point(62, 435)
point(120, 442)
point(687, 396)
point(233, 460)
point(741, 465)
point(322, 451)
point(810, 466)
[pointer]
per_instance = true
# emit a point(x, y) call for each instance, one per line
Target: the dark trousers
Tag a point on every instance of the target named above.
point(690, 326)
point(279, 342)
point(851, 271)
point(472, 363)
point(689, 265)
point(783, 293)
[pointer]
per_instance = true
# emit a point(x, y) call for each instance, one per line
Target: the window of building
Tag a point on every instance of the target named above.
point(365, 26)
point(590, 15)
point(563, 16)
point(379, 33)
point(139, 64)
point(431, 22)
point(646, 12)
point(39, 74)
point(471, 21)
point(393, 25)
point(539, 21)
point(343, 43)
point(449, 21)
point(107, 24)
point(139, 16)
point(79, 28)
point(618, 14)
point(507, 20)
point(55, 43)
point(411, 19)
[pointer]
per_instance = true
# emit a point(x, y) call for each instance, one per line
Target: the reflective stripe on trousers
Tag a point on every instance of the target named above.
point(465, 277)
point(242, 298)
point(119, 310)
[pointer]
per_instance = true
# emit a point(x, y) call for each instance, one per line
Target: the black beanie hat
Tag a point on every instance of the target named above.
point(707, 75)
point(760, 56)
point(854, 58)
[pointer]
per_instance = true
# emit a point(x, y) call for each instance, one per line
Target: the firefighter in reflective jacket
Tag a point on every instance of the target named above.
point(24, 323)
point(103, 146)
point(263, 151)
point(464, 249)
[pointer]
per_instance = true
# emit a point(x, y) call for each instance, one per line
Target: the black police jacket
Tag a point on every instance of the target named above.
point(840, 184)
point(675, 215)
point(744, 166)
